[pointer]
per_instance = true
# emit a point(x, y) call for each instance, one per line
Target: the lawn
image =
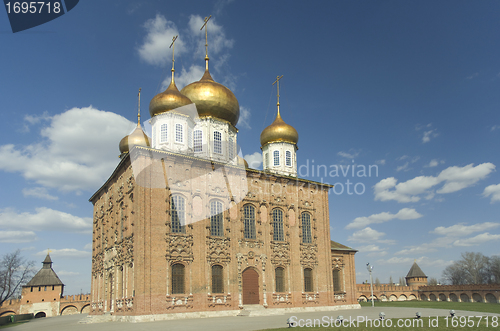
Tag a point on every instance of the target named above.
point(423, 324)
point(469, 306)
point(426, 323)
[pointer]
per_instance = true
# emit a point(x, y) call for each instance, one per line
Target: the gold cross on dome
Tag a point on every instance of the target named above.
point(206, 34)
point(277, 81)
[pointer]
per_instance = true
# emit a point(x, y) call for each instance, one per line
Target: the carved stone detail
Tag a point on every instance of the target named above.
point(179, 247)
point(218, 250)
point(280, 253)
point(308, 255)
point(337, 263)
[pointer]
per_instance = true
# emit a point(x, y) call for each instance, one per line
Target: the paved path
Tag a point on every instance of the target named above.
point(70, 323)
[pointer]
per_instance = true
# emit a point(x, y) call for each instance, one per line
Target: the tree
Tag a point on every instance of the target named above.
point(15, 271)
point(432, 281)
point(377, 281)
point(390, 281)
point(494, 270)
point(402, 281)
point(473, 268)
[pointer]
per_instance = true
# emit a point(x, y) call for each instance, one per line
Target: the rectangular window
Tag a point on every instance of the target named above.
point(217, 279)
point(249, 220)
point(178, 133)
point(308, 281)
point(217, 142)
point(216, 221)
point(276, 155)
point(198, 141)
point(163, 133)
point(288, 156)
point(230, 146)
point(278, 225)
point(178, 214)
point(280, 279)
point(337, 283)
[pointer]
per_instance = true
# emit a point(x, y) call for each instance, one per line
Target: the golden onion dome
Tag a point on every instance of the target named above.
point(213, 99)
point(242, 162)
point(167, 100)
point(136, 138)
point(279, 131)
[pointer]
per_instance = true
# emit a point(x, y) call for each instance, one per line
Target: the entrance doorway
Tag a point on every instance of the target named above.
point(250, 279)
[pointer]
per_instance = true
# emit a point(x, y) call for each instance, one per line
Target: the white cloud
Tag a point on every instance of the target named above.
point(477, 240)
point(78, 150)
point(88, 246)
point(244, 120)
point(44, 219)
point(449, 237)
point(474, 75)
point(39, 192)
point(494, 191)
point(349, 155)
point(155, 48)
point(65, 253)
point(17, 236)
point(369, 248)
point(369, 235)
point(428, 135)
point(425, 248)
point(403, 167)
point(428, 132)
point(67, 273)
point(461, 229)
point(495, 127)
point(403, 214)
point(433, 163)
point(254, 160)
point(380, 162)
point(454, 178)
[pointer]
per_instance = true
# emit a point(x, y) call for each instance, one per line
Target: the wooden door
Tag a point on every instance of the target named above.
point(250, 279)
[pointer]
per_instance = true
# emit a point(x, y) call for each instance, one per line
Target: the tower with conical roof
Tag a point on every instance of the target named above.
point(416, 276)
point(279, 144)
point(43, 291)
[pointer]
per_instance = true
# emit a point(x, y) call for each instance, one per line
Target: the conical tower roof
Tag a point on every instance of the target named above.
point(415, 271)
point(46, 276)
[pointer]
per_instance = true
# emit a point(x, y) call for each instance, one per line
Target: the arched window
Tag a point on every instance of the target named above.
point(337, 281)
point(306, 228)
point(308, 280)
point(163, 133)
point(230, 146)
point(217, 279)
point(178, 133)
point(198, 141)
point(178, 214)
point(216, 222)
point(288, 157)
point(217, 142)
point(177, 279)
point(249, 220)
point(278, 225)
point(280, 279)
point(276, 156)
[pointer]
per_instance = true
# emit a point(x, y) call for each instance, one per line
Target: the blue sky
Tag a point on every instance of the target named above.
point(409, 87)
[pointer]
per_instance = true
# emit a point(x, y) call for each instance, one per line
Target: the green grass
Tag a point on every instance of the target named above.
point(469, 306)
point(460, 323)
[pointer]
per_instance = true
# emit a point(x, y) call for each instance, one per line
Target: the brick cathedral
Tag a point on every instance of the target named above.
point(183, 225)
